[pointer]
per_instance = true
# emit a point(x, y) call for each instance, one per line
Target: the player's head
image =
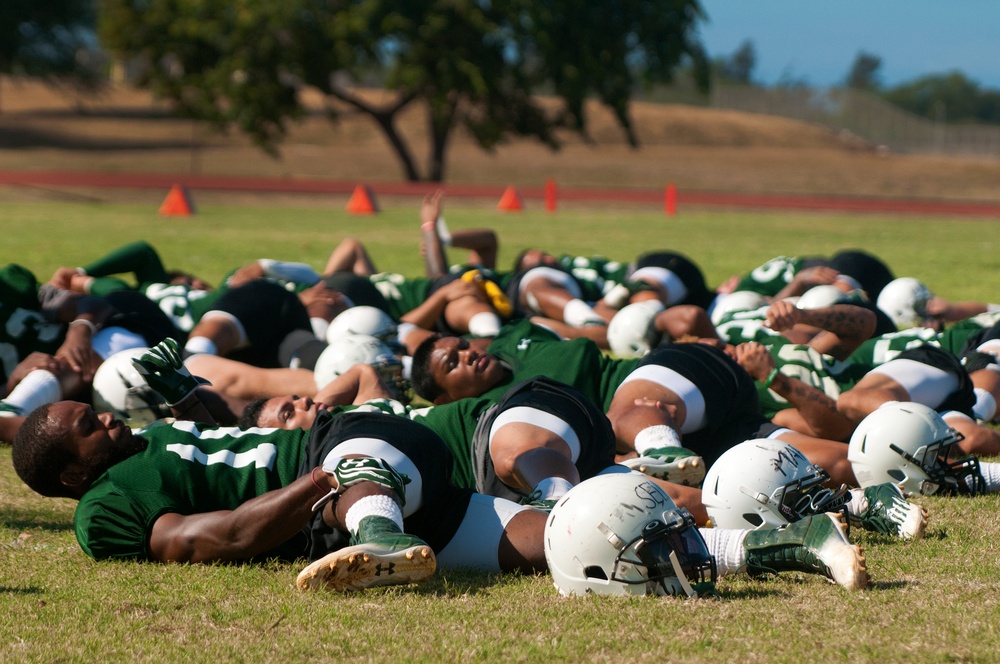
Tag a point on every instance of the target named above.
point(446, 369)
point(287, 412)
point(62, 448)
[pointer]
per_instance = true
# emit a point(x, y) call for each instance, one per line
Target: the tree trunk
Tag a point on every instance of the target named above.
point(441, 121)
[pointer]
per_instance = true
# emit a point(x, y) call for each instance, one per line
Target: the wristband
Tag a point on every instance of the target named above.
point(84, 321)
point(770, 377)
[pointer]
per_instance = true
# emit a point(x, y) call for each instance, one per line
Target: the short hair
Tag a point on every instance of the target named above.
point(424, 384)
point(250, 417)
point(520, 259)
point(38, 458)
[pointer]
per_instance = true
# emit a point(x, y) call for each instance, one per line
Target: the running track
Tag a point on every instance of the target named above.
point(655, 198)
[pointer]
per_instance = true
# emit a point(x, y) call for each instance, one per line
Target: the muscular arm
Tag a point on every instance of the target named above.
point(815, 413)
point(841, 327)
point(357, 385)
point(257, 526)
point(244, 381)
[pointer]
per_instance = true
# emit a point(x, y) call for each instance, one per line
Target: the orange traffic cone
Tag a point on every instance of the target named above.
point(362, 201)
point(510, 201)
point(550, 195)
point(670, 200)
point(177, 203)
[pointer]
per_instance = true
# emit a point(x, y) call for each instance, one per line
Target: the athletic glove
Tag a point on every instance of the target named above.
point(348, 472)
point(162, 368)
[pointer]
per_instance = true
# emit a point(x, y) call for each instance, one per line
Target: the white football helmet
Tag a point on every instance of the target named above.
point(909, 444)
point(631, 332)
point(343, 353)
point(766, 484)
point(736, 301)
point(361, 319)
point(904, 300)
point(120, 389)
point(821, 296)
point(621, 534)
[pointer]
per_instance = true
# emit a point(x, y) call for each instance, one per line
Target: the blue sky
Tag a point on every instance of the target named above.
point(817, 40)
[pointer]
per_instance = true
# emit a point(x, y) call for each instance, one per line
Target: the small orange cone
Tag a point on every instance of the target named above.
point(550, 195)
point(362, 201)
point(510, 201)
point(177, 203)
point(670, 200)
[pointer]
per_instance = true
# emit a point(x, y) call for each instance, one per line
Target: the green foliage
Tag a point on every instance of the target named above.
point(864, 72)
point(738, 67)
point(467, 64)
point(950, 97)
point(52, 39)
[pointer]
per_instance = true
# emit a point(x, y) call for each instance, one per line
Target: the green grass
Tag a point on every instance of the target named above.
point(935, 600)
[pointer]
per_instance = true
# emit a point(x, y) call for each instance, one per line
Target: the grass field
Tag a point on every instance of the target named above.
point(934, 600)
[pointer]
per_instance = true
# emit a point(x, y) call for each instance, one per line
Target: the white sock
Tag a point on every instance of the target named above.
point(196, 345)
point(38, 388)
point(726, 546)
point(377, 505)
point(578, 313)
point(553, 488)
point(485, 324)
point(654, 437)
point(986, 405)
point(319, 327)
point(858, 503)
point(991, 476)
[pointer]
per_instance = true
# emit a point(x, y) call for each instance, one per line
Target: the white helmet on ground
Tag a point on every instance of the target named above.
point(120, 389)
point(632, 333)
point(904, 300)
point(621, 534)
point(766, 484)
point(361, 319)
point(343, 353)
point(909, 444)
point(821, 296)
point(736, 301)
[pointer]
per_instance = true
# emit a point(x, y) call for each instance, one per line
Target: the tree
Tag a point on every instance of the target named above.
point(51, 38)
point(950, 96)
point(864, 74)
point(738, 67)
point(469, 63)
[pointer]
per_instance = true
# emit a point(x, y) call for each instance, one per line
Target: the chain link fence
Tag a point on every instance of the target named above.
point(864, 115)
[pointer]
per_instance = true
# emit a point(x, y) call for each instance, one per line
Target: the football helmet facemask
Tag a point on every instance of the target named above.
point(621, 534)
point(766, 484)
point(910, 444)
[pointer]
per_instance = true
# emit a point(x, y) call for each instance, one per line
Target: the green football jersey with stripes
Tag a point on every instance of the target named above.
point(185, 469)
point(769, 278)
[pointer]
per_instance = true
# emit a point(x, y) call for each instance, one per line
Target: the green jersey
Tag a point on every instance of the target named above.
point(24, 328)
point(769, 278)
point(185, 469)
point(529, 351)
point(886, 347)
point(738, 327)
point(823, 372)
point(402, 294)
point(183, 305)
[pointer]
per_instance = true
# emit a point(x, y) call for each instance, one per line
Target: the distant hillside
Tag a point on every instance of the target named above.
point(695, 148)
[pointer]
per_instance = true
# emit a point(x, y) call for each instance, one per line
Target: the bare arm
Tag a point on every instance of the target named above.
point(841, 328)
point(258, 526)
point(244, 381)
point(357, 385)
point(815, 408)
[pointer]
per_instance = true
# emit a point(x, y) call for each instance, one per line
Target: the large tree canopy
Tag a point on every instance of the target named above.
point(50, 38)
point(470, 63)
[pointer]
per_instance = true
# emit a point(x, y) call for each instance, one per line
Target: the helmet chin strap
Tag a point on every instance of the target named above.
point(681, 576)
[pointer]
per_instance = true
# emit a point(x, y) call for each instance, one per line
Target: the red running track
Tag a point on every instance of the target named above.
point(164, 181)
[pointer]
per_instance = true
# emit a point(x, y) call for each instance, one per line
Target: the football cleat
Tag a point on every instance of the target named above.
point(385, 561)
point(885, 510)
point(816, 545)
point(672, 464)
